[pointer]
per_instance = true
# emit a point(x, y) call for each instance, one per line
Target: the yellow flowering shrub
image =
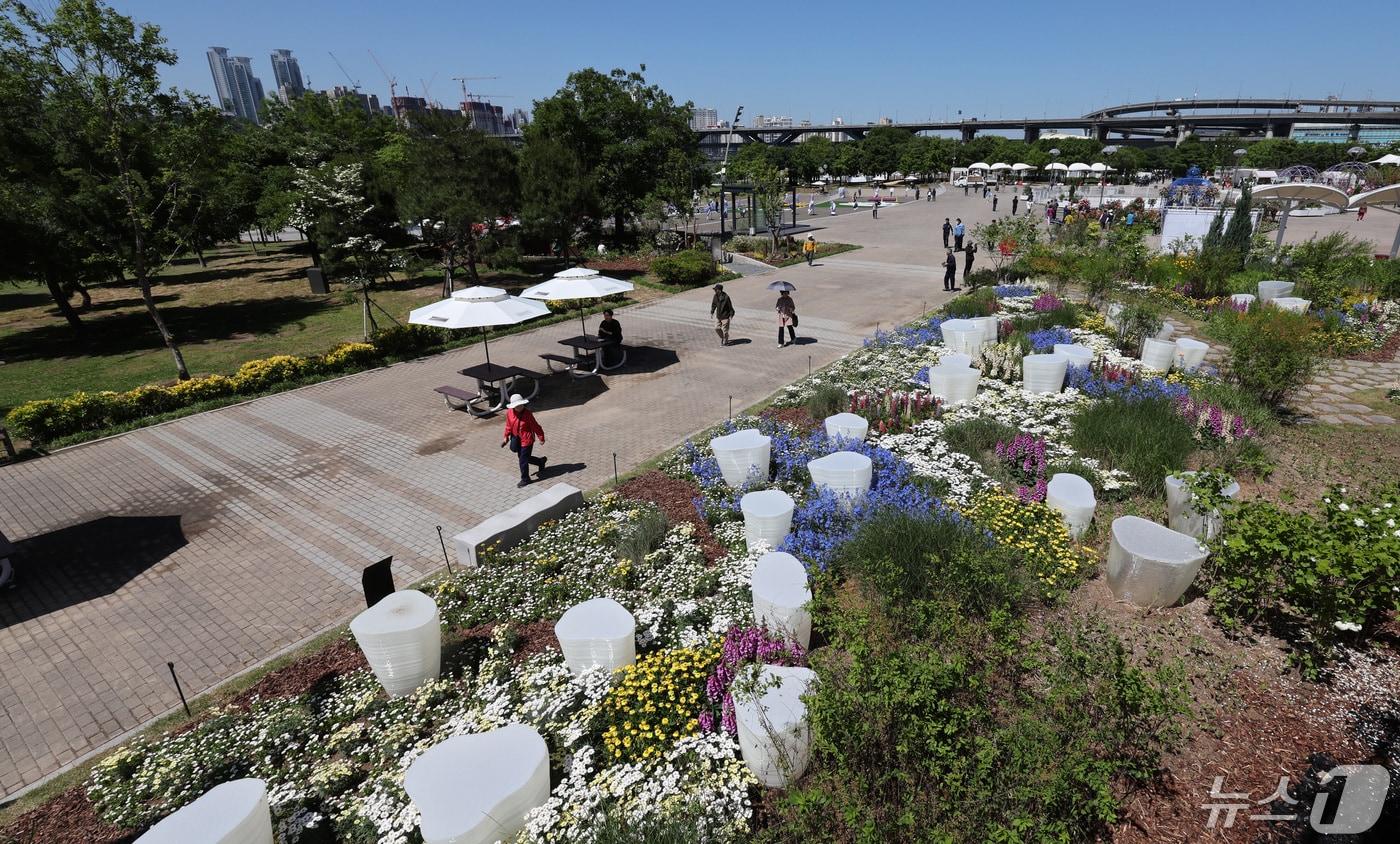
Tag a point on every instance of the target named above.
point(256, 375)
point(655, 702)
point(1095, 322)
point(1035, 531)
point(350, 356)
point(202, 389)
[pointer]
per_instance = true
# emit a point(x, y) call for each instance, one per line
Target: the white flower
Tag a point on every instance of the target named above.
point(1343, 507)
point(1359, 522)
point(1347, 626)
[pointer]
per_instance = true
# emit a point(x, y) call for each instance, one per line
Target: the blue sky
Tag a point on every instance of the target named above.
point(813, 59)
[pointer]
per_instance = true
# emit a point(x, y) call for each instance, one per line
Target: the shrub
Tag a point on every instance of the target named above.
point(257, 375)
point(1135, 324)
point(977, 436)
point(1148, 439)
point(690, 268)
point(408, 340)
point(349, 356)
point(825, 400)
point(745, 243)
point(1037, 534)
point(1272, 353)
point(668, 240)
point(979, 303)
point(642, 535)
point(196, 390)
point(978, 279)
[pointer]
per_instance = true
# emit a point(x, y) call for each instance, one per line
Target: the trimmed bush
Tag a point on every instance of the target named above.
point(690, 268)
point(1272, 353)
point(257, 375)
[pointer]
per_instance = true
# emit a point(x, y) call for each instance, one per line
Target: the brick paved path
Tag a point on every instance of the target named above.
point(1329, 397)
point(217, 540)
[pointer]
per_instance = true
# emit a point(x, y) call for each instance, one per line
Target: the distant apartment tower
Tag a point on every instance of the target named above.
point(287, 72)
point(703, 118)
point(519, 119)
point(368, 102)
point(240, 92)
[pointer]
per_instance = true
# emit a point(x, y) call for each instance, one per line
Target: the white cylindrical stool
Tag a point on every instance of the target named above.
point(954, 359)
point(402, 640)
point(963, 335)
point(1183, 517)
point(1043, 373)
point(477, 789)
point(1292, 303)
point(774, 735)
point(1076, 354)
point(743, 456)
point(235, 812)
point(1151, 565)
point(954, 384)
point(989, 326)
point(1269, 290)
point(767, 516)
point(845, 473)
point(848, 425)
point(1158, 354)
point(781, 595)
point(600, 632)
point(1190, 354)
point(1073, 497)
point(1245, 299)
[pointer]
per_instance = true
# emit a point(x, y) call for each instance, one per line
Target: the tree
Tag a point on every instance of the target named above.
point(769, 187)
point(1240, 231)
point(557, 191)
point(455, 182)
point(846, 161)
point(882, 148)
point(811, 158)
point(622, 129)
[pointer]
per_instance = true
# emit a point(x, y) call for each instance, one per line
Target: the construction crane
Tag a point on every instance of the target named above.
point(393, 81)
point(355, 86)
point(465, 79)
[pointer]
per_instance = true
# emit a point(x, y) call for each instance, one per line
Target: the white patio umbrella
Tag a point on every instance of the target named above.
point(1079, 167)
point(1021, 168)
point(1055, 165)
point(1100, 167)
point(577, 283)
point(478, 307)
point(980, 165)
point(1388, 158)
point(1001, 165)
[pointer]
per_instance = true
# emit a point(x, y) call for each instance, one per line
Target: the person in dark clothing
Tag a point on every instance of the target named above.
point(787, 318)
point(610, 332)
point(950, 271)
point(947, 230)
point(522, 429)
point(970, 253)
point(723, 311)
point(1015, 200)
point(994, 203)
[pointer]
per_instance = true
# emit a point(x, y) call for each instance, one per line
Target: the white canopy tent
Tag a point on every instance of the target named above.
point(1001, 165)
point(1381, 197)
point(1294, 193)
point(1388, 158)
point(1100, 167)
point(1079, 167)
point(979, 165)
point(1021, 168)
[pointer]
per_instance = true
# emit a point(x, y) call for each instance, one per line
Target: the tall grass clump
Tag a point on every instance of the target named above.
point(1146, 438)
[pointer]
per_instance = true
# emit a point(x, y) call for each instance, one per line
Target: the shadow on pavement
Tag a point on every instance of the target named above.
point(647, 359)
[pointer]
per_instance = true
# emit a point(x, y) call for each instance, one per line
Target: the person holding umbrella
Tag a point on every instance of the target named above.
point(787, 317)
point(522, 429)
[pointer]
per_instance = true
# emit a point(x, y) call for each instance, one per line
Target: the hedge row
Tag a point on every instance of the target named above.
point(46, 420)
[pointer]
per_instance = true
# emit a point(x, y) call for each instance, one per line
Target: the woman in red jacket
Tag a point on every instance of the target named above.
point(521, 431)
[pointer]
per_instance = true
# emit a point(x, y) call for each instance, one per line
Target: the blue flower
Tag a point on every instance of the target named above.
point(1044, 339)
point(1006, 291)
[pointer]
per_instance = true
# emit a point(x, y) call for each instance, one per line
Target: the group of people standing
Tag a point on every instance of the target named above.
point(957, 231)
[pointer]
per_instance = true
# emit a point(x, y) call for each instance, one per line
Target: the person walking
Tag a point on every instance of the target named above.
point(787, 318)
point(875, 208)
point(947, 230)
point(969, 254)
point(522, 429)
point(1015, 201)
point(994, 203)
point(723, 311)
point(966, 186)
point(950, 272)
point(958, 231)
point(809, 249)
point(1360, 212)
point(811, 205)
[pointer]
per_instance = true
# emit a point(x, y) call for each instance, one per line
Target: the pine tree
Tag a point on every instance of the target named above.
point(1238, 234)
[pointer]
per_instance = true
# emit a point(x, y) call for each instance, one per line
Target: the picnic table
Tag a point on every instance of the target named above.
point(494, 385)
point(587, 356)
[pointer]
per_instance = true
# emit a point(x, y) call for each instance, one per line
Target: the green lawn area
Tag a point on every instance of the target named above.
point(241, 307)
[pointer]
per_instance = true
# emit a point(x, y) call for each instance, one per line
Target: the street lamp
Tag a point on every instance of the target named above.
point(1108, 152)
point(1054, 154)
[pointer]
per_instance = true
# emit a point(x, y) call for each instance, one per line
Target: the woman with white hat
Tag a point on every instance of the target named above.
point(521, 431)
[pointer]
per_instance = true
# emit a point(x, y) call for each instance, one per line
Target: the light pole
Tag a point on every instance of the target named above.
point(1054, 156)
point(1108, 152)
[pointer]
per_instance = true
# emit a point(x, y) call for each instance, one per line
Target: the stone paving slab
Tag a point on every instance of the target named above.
point(1328, 397)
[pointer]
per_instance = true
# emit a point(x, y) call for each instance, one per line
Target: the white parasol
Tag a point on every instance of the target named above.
point(478, 307)
point(1001, 165)
point(577, 283)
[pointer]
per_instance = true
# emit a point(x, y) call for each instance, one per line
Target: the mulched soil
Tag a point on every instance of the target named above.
point(635, 265)
point(676, 498)
point(68, 818)
point(340, 657)
point(797, 417)
point(533, 638)
point(1387, 351)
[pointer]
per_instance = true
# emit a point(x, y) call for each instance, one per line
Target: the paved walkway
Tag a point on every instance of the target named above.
point(217, 540)
point(1330, 397)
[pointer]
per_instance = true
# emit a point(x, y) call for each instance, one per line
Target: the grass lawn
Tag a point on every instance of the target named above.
point(241, 307)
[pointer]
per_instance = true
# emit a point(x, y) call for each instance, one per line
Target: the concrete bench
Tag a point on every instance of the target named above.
point(504, 531)
point(449, 393)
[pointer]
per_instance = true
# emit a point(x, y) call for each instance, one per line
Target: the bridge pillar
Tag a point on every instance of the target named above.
point(968, 132)
point(1100, 133)
point(1032, 134)
point(1183, 131)
point(1354, 132)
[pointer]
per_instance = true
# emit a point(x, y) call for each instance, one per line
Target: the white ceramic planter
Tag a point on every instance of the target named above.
point(781, 596)
point(767, 516)
point(600, 632)
point(1245, 299)
point(402, 640)
point(1190, 354)
point(1183, 518)
point(954, 384)
point(955, 360)
point(1269, 290)
point(477, 789)
point(1292, 303)
point(1166, 331)
point(1111, 314)
point(989, 326)
point(774, 735)
point(1043, 373)
point(235, 812)
point(1073, 497)
point(1158, 354)
point(963, 335)
point(1076, 354)
point(848, 425)
point(743, 456)
point(1151, 565)
point(845, 473)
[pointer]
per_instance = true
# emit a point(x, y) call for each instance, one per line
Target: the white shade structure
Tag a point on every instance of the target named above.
point(1079, 167)
point(1073, 497)
point(478, 307)
point(743, 456)
point(1183, 517)
point(235, 812)
point(1000, 165)
point(979, 165)
point(1021, 168)
point(1190, 354)
point(478, 788)
point(846, 473)
point(954, 384)
point(990, 326)
point(1242, 299)
point(774, 735)
point(1158, 354)
point(1388, 158)
point(963, 335)
point(1291, 303)
point(1076, 354)
point(1387, 195)
point(1043, 373)
point(1270, 290)
point(781, 595)
point(848, 425)
point(1055, 165)
point(597, 633)
point(1151, 565)
point(577, 283)
point(1296, 193)
point(767, 517)
point(402, 640)
point(1100, 167)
